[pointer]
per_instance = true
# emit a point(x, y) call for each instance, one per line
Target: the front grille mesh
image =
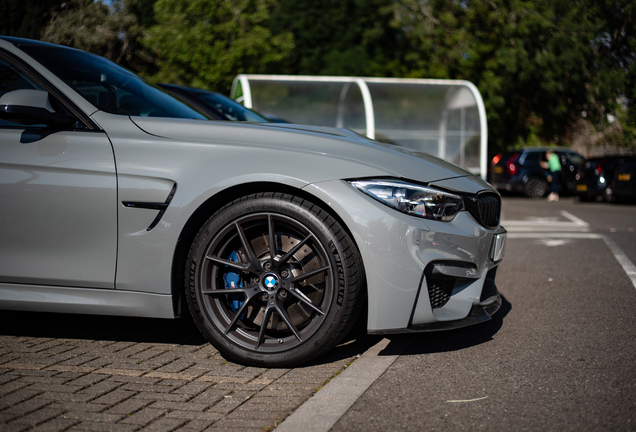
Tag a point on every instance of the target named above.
point(439, 291)
point(485, 208)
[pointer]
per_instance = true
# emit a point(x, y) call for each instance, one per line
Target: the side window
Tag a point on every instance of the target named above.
point(10, 80)
point(532, 158)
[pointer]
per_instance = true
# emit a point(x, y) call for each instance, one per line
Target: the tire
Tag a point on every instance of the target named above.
point(535, 187)
point(276, 312)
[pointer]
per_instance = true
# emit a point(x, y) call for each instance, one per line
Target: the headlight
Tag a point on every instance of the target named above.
point(423, 201)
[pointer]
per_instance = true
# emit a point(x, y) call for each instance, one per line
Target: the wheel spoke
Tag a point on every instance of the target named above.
point(239, 312)
point(245, 291)
point(303, 298)
point(272, 238)
point(261, 333)
point(293, 250)
point(275, 320)
point(233, 264)
point(283, 314)
point(246, 244)
point(308, 275)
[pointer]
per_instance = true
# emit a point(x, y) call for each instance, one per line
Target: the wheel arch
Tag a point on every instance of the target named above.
point(215, 203)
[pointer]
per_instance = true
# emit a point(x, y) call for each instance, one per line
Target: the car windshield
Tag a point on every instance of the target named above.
point(232, 110)
point(108, 86)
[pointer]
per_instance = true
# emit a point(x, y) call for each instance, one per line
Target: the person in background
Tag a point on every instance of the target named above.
point(553, 164)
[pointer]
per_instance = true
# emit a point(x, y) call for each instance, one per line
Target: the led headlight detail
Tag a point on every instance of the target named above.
point(416, 200)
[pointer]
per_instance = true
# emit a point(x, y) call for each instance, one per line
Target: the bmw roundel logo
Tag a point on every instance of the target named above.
point(270, 282)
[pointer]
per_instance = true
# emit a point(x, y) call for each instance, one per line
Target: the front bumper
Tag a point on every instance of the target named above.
point(403, 255)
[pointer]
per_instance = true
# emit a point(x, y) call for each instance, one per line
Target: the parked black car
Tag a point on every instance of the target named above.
point(520, 171)
point(213, 105)
point(596, 175)
point(624, 184)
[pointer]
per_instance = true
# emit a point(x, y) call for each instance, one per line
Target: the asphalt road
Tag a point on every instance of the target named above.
point(560, 354)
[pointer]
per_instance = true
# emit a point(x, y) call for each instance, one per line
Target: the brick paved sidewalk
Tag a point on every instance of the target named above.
point(89, 373)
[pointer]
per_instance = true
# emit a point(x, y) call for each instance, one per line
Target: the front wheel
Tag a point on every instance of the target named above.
point(273, 280)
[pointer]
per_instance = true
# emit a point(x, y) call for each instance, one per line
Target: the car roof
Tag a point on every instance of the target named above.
point(32, 42)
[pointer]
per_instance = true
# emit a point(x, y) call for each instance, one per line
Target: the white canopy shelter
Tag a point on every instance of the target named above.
point(445, 118)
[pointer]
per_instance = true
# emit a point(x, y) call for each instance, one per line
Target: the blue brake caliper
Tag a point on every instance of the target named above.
point(233, 279)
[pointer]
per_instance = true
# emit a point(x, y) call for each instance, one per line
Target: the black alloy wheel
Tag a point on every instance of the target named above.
point(273, 280)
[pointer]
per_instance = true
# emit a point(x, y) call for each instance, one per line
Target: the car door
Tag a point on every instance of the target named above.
point(58, 195)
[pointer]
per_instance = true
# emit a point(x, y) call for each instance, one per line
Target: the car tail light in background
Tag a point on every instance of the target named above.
point(511, 165)
point(496, 159)
point(599, 168)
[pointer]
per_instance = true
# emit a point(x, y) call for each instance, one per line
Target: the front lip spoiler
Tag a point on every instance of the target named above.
point(478, 314)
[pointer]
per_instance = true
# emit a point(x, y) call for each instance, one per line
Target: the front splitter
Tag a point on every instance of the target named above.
point(478, 314)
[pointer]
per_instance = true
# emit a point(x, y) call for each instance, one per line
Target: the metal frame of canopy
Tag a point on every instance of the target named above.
point(460, 96)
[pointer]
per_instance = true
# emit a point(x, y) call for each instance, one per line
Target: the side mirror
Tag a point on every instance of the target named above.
point(32, 107)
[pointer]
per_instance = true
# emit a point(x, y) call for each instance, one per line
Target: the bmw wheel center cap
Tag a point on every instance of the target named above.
point(271, 282)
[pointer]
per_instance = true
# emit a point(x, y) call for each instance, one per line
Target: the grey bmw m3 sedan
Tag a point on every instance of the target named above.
point(117, 199)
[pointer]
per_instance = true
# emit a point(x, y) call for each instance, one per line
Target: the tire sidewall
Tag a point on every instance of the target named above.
point(295, 208)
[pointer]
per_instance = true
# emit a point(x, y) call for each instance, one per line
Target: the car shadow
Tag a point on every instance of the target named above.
point(184, 332)
point(101, 328)
point(451, 340)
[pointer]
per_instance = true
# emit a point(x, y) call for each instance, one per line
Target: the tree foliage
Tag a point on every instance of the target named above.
point(115, 32)
point(205, 43)
point(27, 18)
point(336, 37)
point(550, 71)
point(540, 65)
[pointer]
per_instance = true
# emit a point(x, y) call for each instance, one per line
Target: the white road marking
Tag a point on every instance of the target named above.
point(622, 259)
point(574, 219)
point(555, 242)
point(539, 226)
point(553, 235)
point(551, 232)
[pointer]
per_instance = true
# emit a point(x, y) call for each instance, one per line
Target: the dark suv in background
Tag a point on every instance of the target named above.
point(520, 171)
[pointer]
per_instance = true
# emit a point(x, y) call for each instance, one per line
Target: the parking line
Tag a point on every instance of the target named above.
point(575, 229)
point(574, 219)
point(553, 235)
point(320, 412)
point(622, 259)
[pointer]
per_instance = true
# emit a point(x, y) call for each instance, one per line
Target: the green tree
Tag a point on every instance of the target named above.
point(114, 32)
point(337, 37)
point(540, 65)
point(27, 18)
point(205, 43)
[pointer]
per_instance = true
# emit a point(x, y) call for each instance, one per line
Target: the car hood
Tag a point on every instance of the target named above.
point(334, 142)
